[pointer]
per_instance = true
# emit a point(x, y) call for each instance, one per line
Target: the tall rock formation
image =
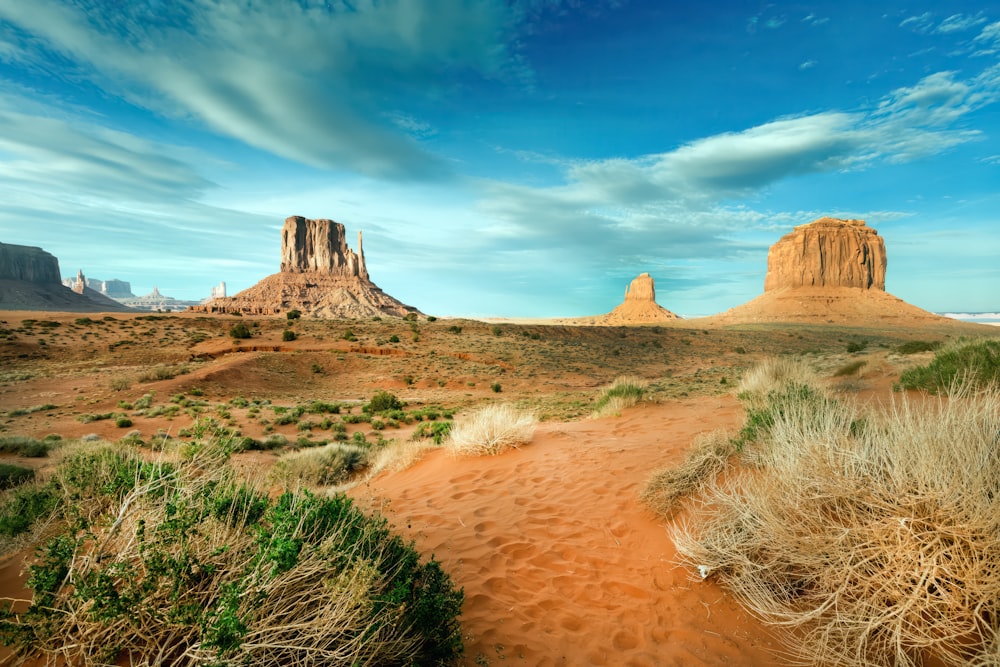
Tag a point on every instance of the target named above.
point(28, 263)
point(828, 252)
point(30, 280)
point(320, 276)
point(829, 271)
point(640, 305)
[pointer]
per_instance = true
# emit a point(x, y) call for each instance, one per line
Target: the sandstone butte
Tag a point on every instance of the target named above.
point(320, 276)
point(639, 306)
point(827, 271)
point(30, 280)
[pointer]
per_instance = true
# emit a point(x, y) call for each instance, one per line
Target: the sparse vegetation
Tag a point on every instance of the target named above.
point(187, 566)
point(240, 331)
point(288, 335)
point(12, 475)
point(492, 429)
point(330, 464)
point(20, 445)
point(293, 315)
point(383, 401)
point(624, 392)
point(917, 346)
point(872, 533)
point(851, 368)
point(973, 363)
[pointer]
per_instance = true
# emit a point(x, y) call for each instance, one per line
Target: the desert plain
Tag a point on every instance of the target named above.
point(560, 561)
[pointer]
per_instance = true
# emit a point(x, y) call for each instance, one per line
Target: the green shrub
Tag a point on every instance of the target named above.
point(850, 369)
point(20, 445)
point(437, 431)
point(496, 387)
point(288, 335)
point(14, 475)
point(393, 338)
point(856, 346)
point(455, 329)
point(202, 562)
point(123, 422)
point(916, 346)
point(383, 401)
point(23, 506)
point(293, 315)
point(240, 330)
point(349, 335)
point(974, 364)
point(624, 392)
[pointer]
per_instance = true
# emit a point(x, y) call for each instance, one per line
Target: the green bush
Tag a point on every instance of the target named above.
point(20, 445)
point(25, 505)
point(288, 335)
point(123, 422)
point(437, 431)
point(14, 475)
point(393, 338)
point(240, 330)
point(496, 387)
point(201, 562)
point(383, 401)
point(293, 315)
point(973, 364)
point(915, 346)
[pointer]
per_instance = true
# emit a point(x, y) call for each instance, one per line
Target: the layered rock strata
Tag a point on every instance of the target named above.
point(828, 252)
point(320, 276)
point(639, 306)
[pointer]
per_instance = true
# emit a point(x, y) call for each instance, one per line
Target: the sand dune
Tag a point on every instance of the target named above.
point(560, 562)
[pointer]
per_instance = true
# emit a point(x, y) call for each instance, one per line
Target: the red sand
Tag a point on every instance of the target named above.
point(560, 561)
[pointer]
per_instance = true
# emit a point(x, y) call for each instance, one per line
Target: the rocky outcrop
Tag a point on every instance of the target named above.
point(320, 276)
point(30, 280)
point(640, 305)
point(28, 263)
point(829, 271)
point(828, 252)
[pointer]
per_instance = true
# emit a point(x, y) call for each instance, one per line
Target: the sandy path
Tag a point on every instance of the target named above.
point(560, 562)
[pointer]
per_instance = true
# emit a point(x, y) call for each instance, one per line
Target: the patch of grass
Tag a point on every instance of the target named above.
point(436, 431)
point(850, 369)
point(973, 364)
point(492, 429)
point(164, 372)
point(917, 346)
point(624, 392)
point(328, 465)
point(20, 445)
point(288, 335)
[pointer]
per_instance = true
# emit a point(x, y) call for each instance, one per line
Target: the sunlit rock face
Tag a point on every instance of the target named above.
point(320, 277)
point(828, 252)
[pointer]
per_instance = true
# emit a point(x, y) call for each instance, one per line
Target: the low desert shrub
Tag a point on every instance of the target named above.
point(492, 429)
point(23, 505)
point(916, 346)
point(330, 464)
point(873, 535)
point(966, 363)
point(436, 431)
point(850, 369)
point(288, 335)
point(706, 459)
point(239, 331)
point(383, 401)
point(196, 568)
point(12, 475)
point(21, 445)
point(624, 392)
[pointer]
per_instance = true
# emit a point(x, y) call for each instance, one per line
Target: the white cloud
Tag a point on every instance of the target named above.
point(920, 23)
point(808, 64)
point(302, 80)
point(959, 23)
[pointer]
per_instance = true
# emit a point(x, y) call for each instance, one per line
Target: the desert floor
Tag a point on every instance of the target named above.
point(560, 562)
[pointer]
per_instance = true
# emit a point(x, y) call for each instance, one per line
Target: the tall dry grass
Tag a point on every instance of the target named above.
point(492, 429)
point(874, 535)
point(668, 486)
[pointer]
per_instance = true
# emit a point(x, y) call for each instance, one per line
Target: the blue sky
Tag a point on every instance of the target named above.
point(504, 157)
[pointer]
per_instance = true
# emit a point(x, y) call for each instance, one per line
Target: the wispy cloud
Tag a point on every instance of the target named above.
point(808, 64)
point(960, 23)
point(303, 80)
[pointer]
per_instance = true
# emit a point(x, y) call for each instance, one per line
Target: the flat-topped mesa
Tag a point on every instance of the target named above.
point(28, 263)
point(828, 252)
point(319, 246)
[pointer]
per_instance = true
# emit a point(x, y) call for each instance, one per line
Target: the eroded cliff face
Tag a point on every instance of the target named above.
point(320, 276)
point(319, 245)
point(639, 306)
point(828, 252)
point(28, 263)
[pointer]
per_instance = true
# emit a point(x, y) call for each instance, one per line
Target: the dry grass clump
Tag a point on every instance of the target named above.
point(706, 459)
point(875, 536)
point(492, 429)
point(328, 465)
point(623, 393)
point(774, 374)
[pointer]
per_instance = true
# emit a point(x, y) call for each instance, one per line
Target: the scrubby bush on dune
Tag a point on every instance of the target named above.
point(623, 393)
point(874, 535)
point(185, 565)
point(976, 363)
point(322, 466)
point(492, 429)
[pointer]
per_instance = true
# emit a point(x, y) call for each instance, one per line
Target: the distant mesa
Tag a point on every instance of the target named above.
point(30, 280)
point(639, 306)
point(827, 271)
point(115, 289)
point(320, 276)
